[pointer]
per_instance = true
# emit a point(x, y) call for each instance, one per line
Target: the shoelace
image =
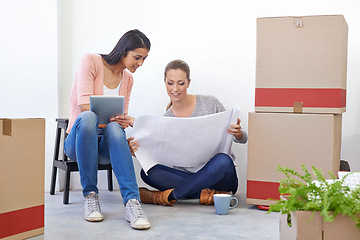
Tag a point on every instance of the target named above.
point(93, 203)
point(136, 210)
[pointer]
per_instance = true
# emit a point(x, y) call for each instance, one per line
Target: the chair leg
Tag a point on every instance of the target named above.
point(110, 181)
point(53, 180)
point(67, 186)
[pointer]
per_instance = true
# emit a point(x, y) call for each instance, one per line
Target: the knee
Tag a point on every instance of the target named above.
point(114, 129)
point(88, 120)
point(143, 175)
point(115, 133)
point(152, 173)
point(223, 161)
point(88, 115)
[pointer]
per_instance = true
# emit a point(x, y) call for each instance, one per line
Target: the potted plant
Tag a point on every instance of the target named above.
point(330, 198)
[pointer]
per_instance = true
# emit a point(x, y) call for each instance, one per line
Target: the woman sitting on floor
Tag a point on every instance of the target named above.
point(217, 175)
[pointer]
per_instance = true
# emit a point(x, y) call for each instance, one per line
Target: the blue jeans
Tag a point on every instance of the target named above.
point(219, 173)
point(89, 146)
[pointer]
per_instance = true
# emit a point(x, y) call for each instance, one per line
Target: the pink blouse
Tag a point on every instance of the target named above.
point(89, 80)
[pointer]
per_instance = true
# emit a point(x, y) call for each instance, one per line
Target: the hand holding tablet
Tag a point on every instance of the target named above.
point(106, 107)
point(124, 120)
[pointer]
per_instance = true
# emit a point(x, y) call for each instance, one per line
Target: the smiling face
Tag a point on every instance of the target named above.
point(176, 84)
point(135, 59)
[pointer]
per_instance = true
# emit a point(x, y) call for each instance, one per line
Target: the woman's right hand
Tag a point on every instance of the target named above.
point(133, 145)
point(124, 120)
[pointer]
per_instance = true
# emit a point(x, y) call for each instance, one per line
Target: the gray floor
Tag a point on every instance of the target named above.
point(186, 220)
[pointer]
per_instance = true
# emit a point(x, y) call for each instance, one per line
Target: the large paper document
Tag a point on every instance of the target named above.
point(182, 142)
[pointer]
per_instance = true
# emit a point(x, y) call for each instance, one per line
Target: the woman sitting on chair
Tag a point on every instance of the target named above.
point(88, 144)
point(217, 175)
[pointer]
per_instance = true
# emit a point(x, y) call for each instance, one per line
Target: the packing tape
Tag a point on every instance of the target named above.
point(6, 127)
point(298, 21)
point(298, 107)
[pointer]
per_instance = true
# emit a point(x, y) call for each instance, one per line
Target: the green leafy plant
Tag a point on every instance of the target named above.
point(330, 197)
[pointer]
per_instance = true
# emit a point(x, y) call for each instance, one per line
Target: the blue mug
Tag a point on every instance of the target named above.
point(222, 203)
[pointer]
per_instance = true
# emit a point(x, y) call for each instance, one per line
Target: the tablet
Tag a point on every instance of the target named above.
point(106, 107)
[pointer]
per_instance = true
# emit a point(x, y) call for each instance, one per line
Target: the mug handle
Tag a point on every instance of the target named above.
point(236, 200)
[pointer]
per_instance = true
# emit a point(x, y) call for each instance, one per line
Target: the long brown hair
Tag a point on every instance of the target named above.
point(177, 64)
point(128, 42)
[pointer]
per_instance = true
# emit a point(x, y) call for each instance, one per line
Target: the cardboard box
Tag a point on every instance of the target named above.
point(301, 64)
point(289, 140)
point(22, 159)
point(306, 225)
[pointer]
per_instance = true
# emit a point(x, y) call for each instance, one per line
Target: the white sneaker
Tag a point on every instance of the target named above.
point(92, 211)
point(135, 215)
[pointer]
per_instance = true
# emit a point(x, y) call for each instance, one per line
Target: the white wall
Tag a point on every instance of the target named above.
point(216, 38)
point(28, 65)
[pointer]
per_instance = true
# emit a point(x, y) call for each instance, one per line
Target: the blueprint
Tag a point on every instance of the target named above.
point(182, 142)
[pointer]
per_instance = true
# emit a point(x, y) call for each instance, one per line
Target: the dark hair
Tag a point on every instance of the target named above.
point(128, 42)
point(178, 64)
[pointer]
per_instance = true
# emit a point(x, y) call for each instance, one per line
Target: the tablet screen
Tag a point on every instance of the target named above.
point(106, 107)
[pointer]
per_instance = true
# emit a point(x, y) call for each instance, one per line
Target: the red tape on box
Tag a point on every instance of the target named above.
point(22, 220)
point(311, 97)
point(262, 190)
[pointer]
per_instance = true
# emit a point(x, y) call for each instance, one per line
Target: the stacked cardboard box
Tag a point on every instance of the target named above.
point(307, 225)
point(299, 98)
point(22, 163)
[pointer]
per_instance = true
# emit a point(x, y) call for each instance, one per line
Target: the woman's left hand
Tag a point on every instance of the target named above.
point(124, 120)
point(235, 129)
point(133, 145)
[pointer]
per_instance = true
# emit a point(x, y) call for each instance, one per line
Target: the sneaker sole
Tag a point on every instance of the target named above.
point(94, 219)
point(138, 227)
